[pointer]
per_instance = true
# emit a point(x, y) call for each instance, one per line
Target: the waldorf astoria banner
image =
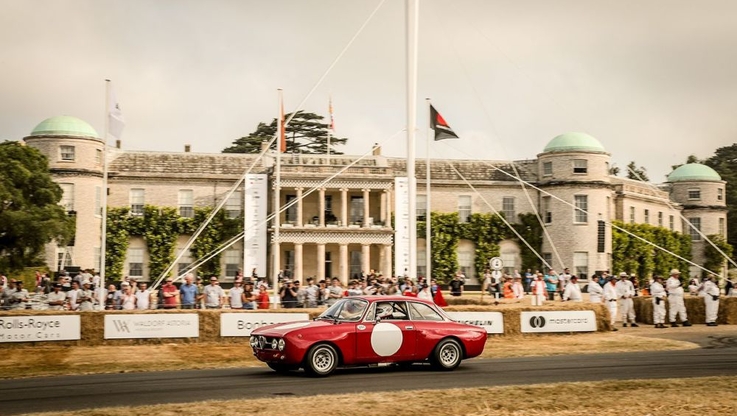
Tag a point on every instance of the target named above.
point(174, 325)
point(255, 210)
point(558, 321)
point(39, 328)
point(401, 227)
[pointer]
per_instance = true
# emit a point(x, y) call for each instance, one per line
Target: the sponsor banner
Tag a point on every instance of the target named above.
point(558, 321)
point(256, 202)
point(241, 324)
point(401, 227)
point(39, 328)
point(492, 322)
point(175, 325)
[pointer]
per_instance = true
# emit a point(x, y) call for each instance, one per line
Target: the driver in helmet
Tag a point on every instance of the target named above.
point(384, 311)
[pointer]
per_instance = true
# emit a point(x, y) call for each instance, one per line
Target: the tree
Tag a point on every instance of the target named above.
point(635, 173)
point(306, 133)
point(614, 170)
point(30, 214)
point(689, 159)
point(724, 162)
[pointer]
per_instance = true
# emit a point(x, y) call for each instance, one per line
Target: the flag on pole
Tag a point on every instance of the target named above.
point(332, 119)
point(283, 134)
point(116, 122)
point(440, 126)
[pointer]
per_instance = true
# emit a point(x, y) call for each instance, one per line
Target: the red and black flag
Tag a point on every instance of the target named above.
point(442, 129)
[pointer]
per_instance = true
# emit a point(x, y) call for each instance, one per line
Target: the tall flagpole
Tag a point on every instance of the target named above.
point(330, 111)
point(103, 199)
point(277, 201)
point(412, 23)
point(428, 232)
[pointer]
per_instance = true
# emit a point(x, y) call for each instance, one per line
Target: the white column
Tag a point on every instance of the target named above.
point(366, 258)
point(366, 208)
point(298, 262)
point(383, 212)
point(343, 276)
point(320, 261)
point(321, 215)
point(387, 260)
point(299, 208)
point(344, 207)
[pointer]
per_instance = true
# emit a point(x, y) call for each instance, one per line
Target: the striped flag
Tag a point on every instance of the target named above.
point(283, 136)
point(116, 123)
point(441, 127)
point(332, 119)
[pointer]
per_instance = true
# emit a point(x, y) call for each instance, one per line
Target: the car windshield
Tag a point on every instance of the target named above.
point(345, 310)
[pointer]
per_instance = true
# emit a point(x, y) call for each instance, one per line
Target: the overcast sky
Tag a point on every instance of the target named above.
point(654, 81)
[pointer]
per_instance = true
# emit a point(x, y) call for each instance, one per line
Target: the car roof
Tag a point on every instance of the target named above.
point(388, 298)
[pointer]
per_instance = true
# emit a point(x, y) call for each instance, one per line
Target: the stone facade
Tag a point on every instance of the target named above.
point(343, 226)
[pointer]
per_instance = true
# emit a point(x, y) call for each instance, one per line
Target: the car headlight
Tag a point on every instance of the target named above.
point(274, 344)
point(281, 345)
point(254, 342)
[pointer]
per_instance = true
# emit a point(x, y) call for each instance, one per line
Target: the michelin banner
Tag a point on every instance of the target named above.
point(175, 325)
point(558, 321)
point(39, 328)
point(492, 322)
point(241, 324)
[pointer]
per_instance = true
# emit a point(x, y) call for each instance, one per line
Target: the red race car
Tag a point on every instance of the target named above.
point(365, 330)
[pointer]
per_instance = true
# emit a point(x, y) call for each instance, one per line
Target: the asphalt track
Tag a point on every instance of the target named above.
point(131, 389)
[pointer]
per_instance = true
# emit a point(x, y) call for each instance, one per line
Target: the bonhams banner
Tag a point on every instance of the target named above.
point(175, 325)
point(39, 328)
point(558, 321)
point(241, 324)
point(401, 227)
point(492, 322)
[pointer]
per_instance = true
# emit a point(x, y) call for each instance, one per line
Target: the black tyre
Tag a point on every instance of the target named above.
point(321, 360)
point(282, 368)
point(447, 355)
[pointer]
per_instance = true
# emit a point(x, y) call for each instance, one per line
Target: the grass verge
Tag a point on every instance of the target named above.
point(714, 396)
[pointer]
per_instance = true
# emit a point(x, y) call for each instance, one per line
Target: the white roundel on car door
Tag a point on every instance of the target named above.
point(386, 339)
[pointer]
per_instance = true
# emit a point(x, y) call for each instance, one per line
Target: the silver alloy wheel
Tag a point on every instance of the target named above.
point(322, 360)
point(448, 354)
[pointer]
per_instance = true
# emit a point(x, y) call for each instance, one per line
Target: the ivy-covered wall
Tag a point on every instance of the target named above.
point(160, 227)
point(485, 231)
point(632, 255)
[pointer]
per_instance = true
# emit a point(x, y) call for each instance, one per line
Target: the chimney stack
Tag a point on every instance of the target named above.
point(117, 144)
point(187, 148)
point(264, 145)
point(377, 150)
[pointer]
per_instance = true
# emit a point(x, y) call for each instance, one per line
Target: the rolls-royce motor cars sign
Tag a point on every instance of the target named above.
point(39, 328)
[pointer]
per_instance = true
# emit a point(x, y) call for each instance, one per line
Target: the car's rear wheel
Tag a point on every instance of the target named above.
point(282, 368)
point(447, 355)
point(321, 360)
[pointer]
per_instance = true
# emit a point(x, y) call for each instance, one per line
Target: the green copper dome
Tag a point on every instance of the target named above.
point(64, 126)
point(574, 142)
point(694, 172)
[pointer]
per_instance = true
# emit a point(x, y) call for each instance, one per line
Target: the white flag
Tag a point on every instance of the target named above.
point(116, 123)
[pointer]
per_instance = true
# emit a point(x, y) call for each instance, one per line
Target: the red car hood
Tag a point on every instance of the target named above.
point(282, 329)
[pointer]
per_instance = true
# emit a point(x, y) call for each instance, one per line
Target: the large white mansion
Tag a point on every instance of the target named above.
point(345, 226)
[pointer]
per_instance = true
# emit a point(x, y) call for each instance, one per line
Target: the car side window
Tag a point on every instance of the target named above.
point(391, 311)
point(422, 312)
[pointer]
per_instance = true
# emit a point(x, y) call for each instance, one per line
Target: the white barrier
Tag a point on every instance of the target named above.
point(175, 325)
point(492, 322)
point(39, 328)
point(241, 324)
point(558, 321)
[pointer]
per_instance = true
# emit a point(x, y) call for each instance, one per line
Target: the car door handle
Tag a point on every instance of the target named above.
point(409, 327)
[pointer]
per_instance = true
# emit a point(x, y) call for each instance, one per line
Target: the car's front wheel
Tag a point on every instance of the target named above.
point(447, 354)
point(321, 360)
